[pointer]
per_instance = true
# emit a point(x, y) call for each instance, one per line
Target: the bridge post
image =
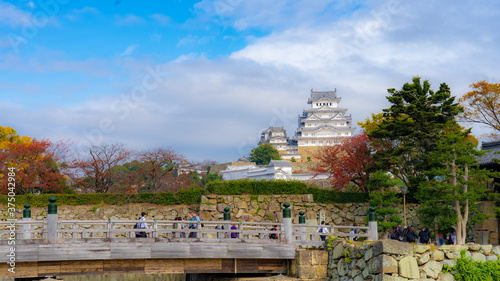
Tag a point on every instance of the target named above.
point(302, 221)
point(227, 224)
point(52, 220)
point(27, 217)
point(287, 222)
point(372, 223)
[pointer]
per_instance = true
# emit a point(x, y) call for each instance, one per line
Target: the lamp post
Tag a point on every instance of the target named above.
point(404, 190)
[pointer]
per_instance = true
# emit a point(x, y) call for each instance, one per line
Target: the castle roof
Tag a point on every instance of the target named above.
point(492, 152)
point(279, 163)
point(324, 94)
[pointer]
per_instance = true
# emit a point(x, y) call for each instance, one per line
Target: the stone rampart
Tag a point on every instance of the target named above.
point(399, 261)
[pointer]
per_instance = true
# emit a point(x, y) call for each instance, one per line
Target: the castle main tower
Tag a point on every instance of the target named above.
point(324, 123)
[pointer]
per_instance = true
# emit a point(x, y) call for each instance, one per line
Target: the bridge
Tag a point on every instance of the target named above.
point(52, 247)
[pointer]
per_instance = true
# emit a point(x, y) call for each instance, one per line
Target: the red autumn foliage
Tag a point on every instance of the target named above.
point(36, 167)
point(347, 162)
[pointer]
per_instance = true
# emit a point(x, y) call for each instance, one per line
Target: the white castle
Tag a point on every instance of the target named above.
point(323, 124)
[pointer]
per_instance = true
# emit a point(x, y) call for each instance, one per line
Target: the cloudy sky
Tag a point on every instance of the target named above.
point(206, 77)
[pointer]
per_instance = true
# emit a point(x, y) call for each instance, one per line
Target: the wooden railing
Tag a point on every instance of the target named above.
point(302, 234)
point(308, 235)
point(167, 229)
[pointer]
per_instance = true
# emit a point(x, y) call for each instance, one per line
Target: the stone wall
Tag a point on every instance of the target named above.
point(398, 261)
point(105, 212)
point(269, 207)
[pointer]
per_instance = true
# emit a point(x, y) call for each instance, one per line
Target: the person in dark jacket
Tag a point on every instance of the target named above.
point(393, 233)
point(412, 236)
point(423, 236)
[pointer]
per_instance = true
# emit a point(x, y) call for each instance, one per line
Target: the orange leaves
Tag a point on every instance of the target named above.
point(482, 105)
point(36, 167)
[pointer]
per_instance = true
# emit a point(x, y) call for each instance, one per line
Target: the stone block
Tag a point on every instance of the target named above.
point(450, 263)
point(385, 277)
point(408, 268)
point(392, 247)
point(338, 251)
point(452, 255)
point(239, 213)
point(486, 249)
point(496, 250)
point(432, 269)
point(342, 268)
point(306, 272)
point(361, 264)
point(359, 278)
point(423, 259)
point(447, 277)
point(420, 249)
point(437, 255)
point(320, 271)
point(478, 257)
point(303, 257)
point(492, 258)
point(383, 264)
point(319, 257)
point(453, 248)
point(474, 247)
point(368, 254)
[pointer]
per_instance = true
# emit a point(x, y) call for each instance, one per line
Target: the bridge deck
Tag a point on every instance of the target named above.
point(145, 248)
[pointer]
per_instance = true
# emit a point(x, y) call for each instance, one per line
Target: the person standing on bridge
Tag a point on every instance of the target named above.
point(194, 217)
point(322, 229)
point(142, 225)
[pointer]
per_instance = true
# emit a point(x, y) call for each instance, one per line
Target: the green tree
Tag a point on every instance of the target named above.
point(448, 199)
point(264, 153)
point(384, 198)
point(407, 132)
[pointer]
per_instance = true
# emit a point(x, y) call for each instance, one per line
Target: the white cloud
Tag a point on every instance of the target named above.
point(194, 40)
point(156, 37)
point(160, 19)
point(130, 49)
point(12, 16)
point(217, 108)
point(129, 19)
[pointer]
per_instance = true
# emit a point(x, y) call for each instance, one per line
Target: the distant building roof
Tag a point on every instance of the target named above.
point(279, 163)
point(323, 94)
point(492, 152)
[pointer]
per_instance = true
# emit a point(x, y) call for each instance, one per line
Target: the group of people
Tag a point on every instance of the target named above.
point(408, 234)
point(192, 217)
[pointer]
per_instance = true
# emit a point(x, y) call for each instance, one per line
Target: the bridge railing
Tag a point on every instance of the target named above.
point(53, 229)
point(306, 234)
point(167, 229)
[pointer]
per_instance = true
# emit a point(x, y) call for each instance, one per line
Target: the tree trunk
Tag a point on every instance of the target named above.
point(436, 229)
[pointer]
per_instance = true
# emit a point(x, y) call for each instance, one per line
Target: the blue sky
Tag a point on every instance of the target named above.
point(206, 77)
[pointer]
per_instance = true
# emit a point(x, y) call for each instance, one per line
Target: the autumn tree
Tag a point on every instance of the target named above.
point(407, 132)
point(96, 167)
point(156, 166)
point(9, 136)
point(482, 105)
point(455, 184)
point(36, 166)
point(347, 162)
point(264, 153)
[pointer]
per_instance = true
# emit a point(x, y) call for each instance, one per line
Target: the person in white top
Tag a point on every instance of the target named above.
point(322, 229)
point(142, 225)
